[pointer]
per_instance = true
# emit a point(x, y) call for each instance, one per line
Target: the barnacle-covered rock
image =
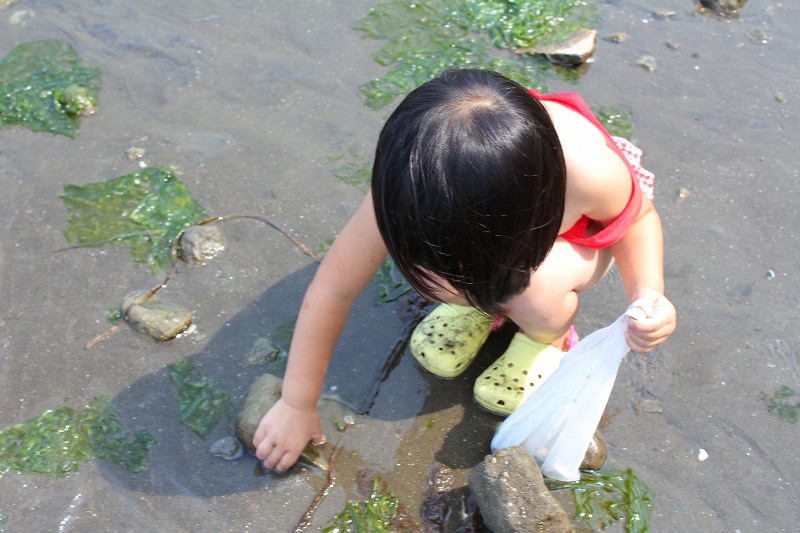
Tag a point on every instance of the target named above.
point(76, 100)
point(198, 244)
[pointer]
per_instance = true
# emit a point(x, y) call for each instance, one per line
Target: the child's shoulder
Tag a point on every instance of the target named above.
point(598, 181)
point(585, 147)
point(574, 129)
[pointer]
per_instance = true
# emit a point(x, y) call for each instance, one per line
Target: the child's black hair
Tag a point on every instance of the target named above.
point(468, 184)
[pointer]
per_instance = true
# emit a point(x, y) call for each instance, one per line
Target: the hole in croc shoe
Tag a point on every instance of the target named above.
point(524, 372)
point(510, 365)
point(540, 376)
point(444, 325)
point(531, 384)
point(501, 402)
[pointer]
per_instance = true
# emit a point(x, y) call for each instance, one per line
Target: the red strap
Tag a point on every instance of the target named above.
point(612, 233)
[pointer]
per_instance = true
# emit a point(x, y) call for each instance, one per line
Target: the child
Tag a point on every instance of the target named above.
point(500, 202)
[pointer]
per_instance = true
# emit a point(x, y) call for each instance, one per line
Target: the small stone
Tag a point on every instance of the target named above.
point(134, 153)
point(722, 8)
point(664, 14)
point(573, 51)
point(596, 453)
point(758, 36)
point(648, 62)
point(683, 195)
point(648, 405)
point(618, 37)
point(702, 455)
point(229, 448)
point(160, 319)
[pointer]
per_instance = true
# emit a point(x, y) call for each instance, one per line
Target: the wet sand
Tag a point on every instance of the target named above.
point(249, 100)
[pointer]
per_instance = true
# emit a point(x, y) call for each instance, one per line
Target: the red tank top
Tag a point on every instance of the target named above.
point(612, 233)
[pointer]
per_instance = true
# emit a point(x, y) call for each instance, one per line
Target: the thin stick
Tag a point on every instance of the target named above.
point(305, 521)
point(171, 269)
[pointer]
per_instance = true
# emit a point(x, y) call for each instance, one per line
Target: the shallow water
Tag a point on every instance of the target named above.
point(248, 100)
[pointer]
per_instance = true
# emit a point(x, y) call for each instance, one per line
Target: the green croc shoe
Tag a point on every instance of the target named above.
point(448, 339)
point(523, 367)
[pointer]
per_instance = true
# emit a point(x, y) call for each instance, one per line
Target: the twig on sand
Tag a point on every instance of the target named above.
point(305, 521)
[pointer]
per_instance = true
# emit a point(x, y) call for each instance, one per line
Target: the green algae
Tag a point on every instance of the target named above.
point(605, 497)
point(105, 433)
point(57, 441)
point(145, 210)
point(44, 86)
point(375, 514)
point(203, 404)
point(352, 168)
point(274, 348)
point(391, 284)
point(784, 403)
point(426, 38)
point(616, 121)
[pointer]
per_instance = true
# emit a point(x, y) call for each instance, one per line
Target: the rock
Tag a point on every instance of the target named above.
point(160, 319)
point(198, 244)
point(596, 453)
point(263, 394)
point(512, 496)
point(229, 448)
point(647, 61)
point(435, 508)
point(573, 51)
point(445, 508)
point(722, 8)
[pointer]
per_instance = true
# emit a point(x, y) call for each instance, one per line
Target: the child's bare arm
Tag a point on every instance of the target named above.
point(346, 269)
point(639, 257)
point(605, 186)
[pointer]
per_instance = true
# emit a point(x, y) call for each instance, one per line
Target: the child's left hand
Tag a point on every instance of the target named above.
point(648, 330)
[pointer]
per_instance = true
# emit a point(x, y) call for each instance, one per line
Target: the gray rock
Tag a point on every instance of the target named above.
point(512, 496)
point(573, 51)
point(160, 319)
point(722, 8)
point(229, 448)
point(264, 392)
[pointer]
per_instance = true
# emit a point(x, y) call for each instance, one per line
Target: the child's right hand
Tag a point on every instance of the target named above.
point(283, 434)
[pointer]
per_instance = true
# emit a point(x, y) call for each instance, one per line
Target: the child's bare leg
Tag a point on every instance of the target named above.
point(548, 307)
point(544, 312)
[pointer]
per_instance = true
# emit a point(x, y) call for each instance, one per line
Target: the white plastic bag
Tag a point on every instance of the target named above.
point(557, 422)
